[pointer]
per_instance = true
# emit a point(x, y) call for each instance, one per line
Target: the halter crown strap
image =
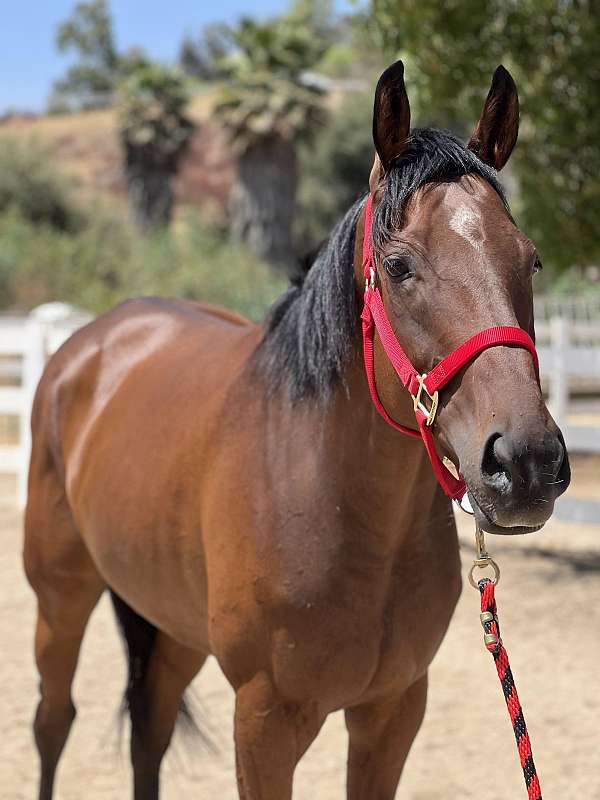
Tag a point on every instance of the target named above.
point(423, 388)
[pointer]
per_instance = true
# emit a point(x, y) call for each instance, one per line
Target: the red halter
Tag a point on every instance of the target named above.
point(427, 385)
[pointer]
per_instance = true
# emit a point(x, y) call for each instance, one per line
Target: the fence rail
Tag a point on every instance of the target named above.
point(26, 342)
point(569, 352)
point(575, 308)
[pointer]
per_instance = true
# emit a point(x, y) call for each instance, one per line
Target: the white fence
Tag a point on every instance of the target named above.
point(26, 342)
point(569, 360)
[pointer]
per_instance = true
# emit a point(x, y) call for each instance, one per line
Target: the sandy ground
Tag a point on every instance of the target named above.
point(550, 609)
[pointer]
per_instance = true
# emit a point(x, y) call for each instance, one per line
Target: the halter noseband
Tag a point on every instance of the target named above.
point(423, 388)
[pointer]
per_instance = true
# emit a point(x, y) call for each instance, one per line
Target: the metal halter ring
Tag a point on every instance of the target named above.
point(482, 563)
point(465, 505)
point(483, 559)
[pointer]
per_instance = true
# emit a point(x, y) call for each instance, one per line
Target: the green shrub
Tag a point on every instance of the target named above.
point(30, 184)
point(107, 261)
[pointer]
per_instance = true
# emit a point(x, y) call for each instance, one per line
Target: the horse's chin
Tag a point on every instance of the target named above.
point(489, 526)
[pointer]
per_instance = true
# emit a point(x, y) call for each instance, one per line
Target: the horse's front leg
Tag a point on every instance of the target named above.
point(270, 738)
point(380, 737)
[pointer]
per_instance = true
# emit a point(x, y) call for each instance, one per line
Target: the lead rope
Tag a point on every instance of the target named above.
point(493, 643)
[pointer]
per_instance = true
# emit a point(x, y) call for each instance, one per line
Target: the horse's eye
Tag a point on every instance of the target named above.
point(537, 265)
point(398, 267)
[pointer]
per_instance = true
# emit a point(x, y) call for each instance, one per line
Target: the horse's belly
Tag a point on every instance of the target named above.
point(158, 573)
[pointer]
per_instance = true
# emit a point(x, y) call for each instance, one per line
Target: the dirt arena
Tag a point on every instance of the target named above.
point(549, 602)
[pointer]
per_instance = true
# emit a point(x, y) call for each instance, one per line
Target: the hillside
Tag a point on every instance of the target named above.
point(86, 146)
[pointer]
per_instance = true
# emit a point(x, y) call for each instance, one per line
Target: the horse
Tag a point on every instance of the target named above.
point(235, 488)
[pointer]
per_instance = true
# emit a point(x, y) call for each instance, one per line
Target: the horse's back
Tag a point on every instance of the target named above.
point(116, 343)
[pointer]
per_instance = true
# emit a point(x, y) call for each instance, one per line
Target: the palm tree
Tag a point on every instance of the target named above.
point(155, 132)
point(268, 108)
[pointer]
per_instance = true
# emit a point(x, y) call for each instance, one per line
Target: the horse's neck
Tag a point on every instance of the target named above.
point(385, 473)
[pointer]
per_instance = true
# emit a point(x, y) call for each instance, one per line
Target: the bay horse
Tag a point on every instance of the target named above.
point(235, 489)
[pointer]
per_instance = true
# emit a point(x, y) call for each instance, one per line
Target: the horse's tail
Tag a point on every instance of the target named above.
point(140, 637)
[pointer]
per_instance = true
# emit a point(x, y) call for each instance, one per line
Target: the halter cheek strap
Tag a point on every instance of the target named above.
point(423, 388)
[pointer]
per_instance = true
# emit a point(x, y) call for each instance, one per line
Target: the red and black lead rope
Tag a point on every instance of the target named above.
point(493, 642)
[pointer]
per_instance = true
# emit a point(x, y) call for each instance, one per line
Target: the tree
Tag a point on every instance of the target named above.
point(155, 131)
point(552, 48)
point(334, 168)
point(203, 58)
point(268, 108)
point(91, 81)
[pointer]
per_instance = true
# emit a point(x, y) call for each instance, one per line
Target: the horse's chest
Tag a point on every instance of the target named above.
point(373, 631)
point(414, 620)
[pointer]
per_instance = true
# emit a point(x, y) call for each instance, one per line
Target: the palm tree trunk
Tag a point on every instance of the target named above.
point(150, 197)
point(263, 201)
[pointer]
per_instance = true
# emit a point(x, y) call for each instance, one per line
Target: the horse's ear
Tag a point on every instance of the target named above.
point(496, 133)
point(391, 116)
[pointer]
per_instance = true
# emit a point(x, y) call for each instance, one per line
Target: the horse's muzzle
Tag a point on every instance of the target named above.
point(520, 478)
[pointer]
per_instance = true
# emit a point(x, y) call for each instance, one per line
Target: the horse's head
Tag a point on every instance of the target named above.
point(451, 262)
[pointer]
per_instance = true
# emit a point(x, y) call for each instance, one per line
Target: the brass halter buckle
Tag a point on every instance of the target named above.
point(419, 404)
point(483, 559)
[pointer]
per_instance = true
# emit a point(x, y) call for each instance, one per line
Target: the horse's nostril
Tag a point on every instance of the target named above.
point(520, 466)
point(562, 473)
point(559, 458)
point(495, 464)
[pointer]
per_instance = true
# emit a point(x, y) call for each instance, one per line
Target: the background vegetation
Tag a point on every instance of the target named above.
point(53, 246)
point(552, 49)
point(293, 95)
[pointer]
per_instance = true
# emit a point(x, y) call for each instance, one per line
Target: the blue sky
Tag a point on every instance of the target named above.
point(29, 62)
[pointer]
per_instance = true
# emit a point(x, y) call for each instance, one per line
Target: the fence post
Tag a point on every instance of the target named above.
point(34, 358)
point(559, 378)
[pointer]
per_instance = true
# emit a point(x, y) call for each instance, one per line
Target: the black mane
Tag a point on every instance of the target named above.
point(312, 329)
